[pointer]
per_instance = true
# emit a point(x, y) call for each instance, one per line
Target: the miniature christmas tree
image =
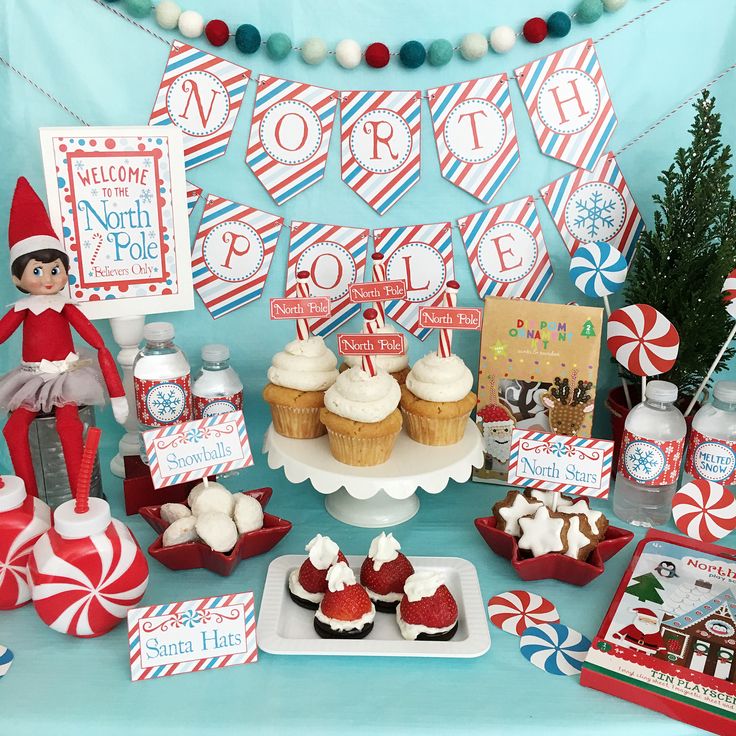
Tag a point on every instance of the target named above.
point(681, 264)
point(645, 588)
point(588, 330)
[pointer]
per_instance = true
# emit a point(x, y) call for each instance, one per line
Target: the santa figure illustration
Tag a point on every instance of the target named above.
point(497, 424)
point(51, 377)
point(643, 633)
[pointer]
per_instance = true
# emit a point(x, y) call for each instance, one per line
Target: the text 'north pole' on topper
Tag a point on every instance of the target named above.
point(455, 318)
point(371, 344)
point(191, 450)
point(192, 636)
point(307, 307)
point(377, 291)
point(556, 462)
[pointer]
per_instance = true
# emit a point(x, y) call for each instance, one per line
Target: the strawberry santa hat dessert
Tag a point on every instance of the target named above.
point(428, 610)
point(384, 572)
point(346, 611)
point(51, 377)
point(308, 583)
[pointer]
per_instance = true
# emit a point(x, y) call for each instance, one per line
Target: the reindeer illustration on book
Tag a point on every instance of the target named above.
point(568, 401)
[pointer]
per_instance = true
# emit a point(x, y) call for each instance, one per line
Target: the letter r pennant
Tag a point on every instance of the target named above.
point(569, 105)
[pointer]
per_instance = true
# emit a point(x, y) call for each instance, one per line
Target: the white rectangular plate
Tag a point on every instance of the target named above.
point(285, 628)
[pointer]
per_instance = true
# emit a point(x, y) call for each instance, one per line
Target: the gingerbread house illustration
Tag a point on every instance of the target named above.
point(704, 638)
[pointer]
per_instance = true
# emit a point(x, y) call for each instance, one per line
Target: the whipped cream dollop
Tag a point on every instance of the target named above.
point(389, 363)
point(434, 378)
point(338, 576)
point(304, 365)
point(322, 552)
point(384, 548)
point(361, 397)
point(422, 584)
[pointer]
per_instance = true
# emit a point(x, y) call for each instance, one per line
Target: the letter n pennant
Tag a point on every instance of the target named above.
point(232, 253)
point(475, 134)
point(569, 105)
point(380, 145)
point(335, 258)
point(506, 250)
point(420, 255)
point(201, 95)
point(289, 135)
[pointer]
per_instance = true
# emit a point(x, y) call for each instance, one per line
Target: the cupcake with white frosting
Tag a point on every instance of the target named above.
point(437, 400)
point(298, 378)
point(397, 366)
point(361, 417)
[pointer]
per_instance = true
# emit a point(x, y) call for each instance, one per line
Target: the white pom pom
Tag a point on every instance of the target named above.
point(473, 46)
point(314, 51)
point(171, 512)
point(191, 24)
point(217, 530)
point(214, 499)
point(180, 532)
point(348, 53)
point(503, 39)
point(167, 14)
point(613, 5)
point(248, 513)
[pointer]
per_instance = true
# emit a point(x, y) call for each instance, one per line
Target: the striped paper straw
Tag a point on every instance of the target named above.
point(302, 291)
point(379, 274)
point(451, 290)
point(367, 362)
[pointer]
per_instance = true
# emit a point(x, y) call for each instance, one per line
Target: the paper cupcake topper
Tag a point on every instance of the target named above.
point(729, 293)
point(598, 269)
point(704, 510)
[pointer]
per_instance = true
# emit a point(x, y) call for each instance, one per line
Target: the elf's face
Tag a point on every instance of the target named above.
point(42, 278)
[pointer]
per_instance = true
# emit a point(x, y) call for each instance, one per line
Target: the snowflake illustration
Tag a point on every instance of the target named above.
point(166, 402)
point(151, 234)
point(643, 460)
point(146, 195)
point(87, 244)
point(93, 192)
point(595, 213)
point(79, 165)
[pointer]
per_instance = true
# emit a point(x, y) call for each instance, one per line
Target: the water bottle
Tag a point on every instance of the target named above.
point(161, 378)
point(650, 458)
point(711, 452)
point(218, 388)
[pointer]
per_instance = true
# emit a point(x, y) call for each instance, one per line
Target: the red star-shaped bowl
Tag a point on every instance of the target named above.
point(191, 555)
point(554, 566)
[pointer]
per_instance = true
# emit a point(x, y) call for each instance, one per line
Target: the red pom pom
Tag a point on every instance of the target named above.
point(217, 32)
point(535, 30)
point(377, 55)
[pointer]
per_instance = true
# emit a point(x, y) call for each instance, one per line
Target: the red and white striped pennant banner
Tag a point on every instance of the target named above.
point(201, 95)
point(506, 250)
point(595, 205)
point(193, 194)
point(569, 105)
point(334, 256)
point(232, 254)
point(421, 257)
point(380, 145)
point(289, 135)
point(475, 134)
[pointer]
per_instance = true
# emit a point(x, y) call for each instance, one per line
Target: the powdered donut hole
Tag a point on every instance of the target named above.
point(217, 530)
point(181, 531)
point(248, 514)
point(214, 499)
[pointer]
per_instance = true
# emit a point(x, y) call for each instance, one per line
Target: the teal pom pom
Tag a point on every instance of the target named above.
point(138, 8)
point(589, 11)
point(440, 52)
point(412, 54)
point(248, 38)
point(558, 24)
point(278, 46)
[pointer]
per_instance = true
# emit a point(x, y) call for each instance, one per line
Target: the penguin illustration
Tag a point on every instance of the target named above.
point(666, 569)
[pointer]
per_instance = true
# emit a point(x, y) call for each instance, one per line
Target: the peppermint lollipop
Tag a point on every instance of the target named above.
point(729, 293)
point(517, 610)
point(704, 510)
point(554, 648)
point(598, 269)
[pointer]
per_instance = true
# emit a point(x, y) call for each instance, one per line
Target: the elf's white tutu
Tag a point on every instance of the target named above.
point(40, 387)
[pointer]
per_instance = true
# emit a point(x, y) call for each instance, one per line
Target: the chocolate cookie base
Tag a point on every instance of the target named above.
point(327, 633)
point(303, 602)
point(444, 636)
point(384, 606)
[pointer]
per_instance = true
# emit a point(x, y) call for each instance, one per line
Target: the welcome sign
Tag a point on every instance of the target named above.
point(118, 200)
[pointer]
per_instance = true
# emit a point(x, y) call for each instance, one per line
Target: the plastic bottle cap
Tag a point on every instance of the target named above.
point(72, 525)
point(215, 353)
point(158, 332)
point(725, 391)
point(12, 492)
point(663, 391)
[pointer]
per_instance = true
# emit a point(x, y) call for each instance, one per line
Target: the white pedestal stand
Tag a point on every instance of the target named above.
point(382, 495)
point(127, 333)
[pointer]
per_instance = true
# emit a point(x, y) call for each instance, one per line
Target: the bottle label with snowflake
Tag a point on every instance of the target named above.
point(160, 402)
point(710, 458)
point(208, 407)
point(650, 462)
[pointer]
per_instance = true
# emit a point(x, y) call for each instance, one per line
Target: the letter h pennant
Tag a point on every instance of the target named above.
point(506, 250)
point(201, 95)
point(334, 256)
point(289, 135)
point(421, 256)
point(380, 145)
point(569, 105)
point(475, 134)
point(232, 254)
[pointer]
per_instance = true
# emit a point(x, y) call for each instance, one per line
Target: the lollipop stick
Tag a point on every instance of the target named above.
point(554, 502)
point(607, 306)
point(643, 387)
point(710, 371)
point(81, 503)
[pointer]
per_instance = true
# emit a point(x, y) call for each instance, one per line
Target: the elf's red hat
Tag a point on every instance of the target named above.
point(29, 228)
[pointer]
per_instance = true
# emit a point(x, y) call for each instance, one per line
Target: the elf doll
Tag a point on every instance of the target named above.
point(51, 376)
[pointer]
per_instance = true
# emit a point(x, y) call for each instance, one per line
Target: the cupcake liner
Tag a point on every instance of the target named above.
point(361, 451)
point(434, 430)
point(297, 423)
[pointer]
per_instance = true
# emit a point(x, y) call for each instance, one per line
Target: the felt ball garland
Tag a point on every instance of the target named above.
point(559, 24)
point(247, 39)
point(440, 52)
point(535, 30)
point(412, 54)
point(348, 53)
point(278, 46)
point(217, 32)
point(167, 14)
point(377, 55)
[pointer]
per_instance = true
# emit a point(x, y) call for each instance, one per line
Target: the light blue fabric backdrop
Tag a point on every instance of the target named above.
point(107, 71)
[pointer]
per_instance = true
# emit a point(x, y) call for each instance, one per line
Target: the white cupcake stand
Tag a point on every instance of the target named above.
point(382, 495)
